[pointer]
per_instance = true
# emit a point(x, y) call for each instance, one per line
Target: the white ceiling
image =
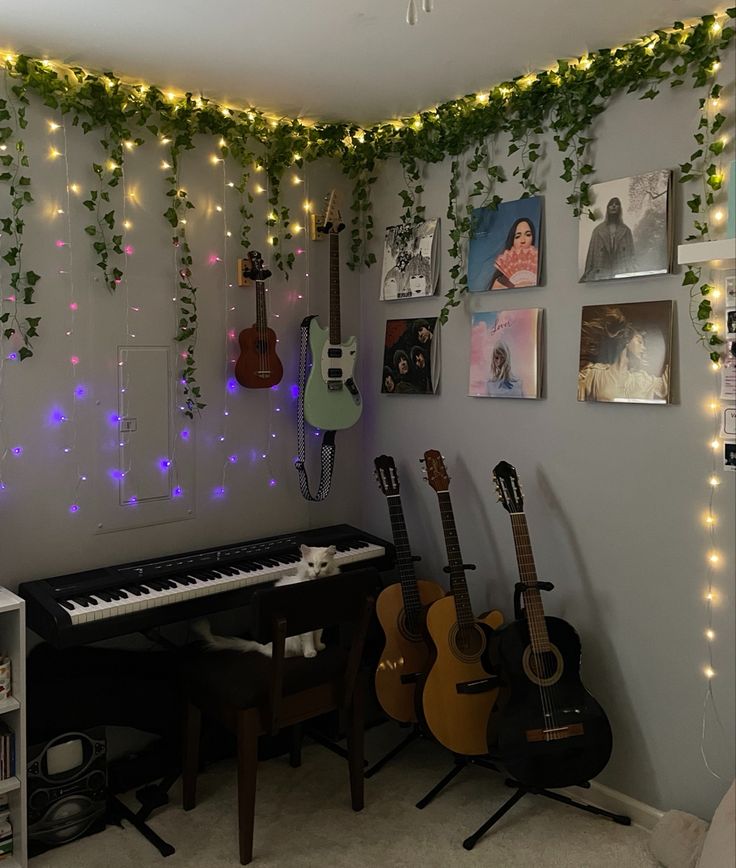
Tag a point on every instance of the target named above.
point(328, 59)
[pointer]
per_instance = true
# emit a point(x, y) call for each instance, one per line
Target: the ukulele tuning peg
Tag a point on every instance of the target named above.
point(422, 460)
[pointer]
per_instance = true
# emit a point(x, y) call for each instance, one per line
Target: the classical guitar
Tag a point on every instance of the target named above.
point(459, 692)
point(401, 610)
point(331, 397)
point(549, 731)
point(258, 366)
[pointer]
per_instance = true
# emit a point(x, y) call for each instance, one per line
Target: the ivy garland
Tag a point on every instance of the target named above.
point(566, 99)
point(15, 166)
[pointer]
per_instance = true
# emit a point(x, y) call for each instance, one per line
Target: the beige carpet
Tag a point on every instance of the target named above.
point(303, 818)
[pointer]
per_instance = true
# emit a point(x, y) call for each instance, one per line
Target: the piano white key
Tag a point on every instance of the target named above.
point(102, 609)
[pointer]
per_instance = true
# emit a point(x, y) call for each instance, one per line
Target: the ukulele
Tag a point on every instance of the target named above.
point(401, 609)
point(258, 366)
point(549, 731)
point(459, 692)
point(331, 397)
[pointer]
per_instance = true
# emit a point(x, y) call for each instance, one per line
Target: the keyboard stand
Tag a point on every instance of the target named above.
point(117, 812)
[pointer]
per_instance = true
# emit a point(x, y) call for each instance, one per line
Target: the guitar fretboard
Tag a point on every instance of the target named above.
point(261, 318)
point(335, 288)
point(407, 574)
point(458, 585)
point(528, 575)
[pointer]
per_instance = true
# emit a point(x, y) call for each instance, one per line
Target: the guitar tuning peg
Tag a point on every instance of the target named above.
point(422, 460)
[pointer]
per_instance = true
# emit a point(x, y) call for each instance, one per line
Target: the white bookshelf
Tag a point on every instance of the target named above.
point(13, 712)
point(707, 251)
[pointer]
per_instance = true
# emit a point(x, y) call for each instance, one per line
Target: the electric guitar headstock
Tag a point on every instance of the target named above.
point(386, 475)
point(253, 267)
point(435, 471)
point(331, 223)
point(508, 487)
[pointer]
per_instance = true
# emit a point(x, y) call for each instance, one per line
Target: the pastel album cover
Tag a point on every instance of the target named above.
point(633, 236)
point(625, 352)
point(410, 267)
point(411, 359)
point(505, 250)
point(505, 354)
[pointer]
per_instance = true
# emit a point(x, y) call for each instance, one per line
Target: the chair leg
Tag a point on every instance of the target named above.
point(248, 727)
point(356, 729)
point(190, 761)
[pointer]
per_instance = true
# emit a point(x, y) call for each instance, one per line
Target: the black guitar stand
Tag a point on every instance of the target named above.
point(461, 762)
point(521, 791)
point(519, 589)
point(117, 811)
point(414, 733)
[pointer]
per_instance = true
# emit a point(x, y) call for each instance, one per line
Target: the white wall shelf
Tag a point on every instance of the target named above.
point(707, 251)
point(13, 713)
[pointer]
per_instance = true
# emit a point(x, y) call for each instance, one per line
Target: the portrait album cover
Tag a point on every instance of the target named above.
point(506, 354)
point(625, 352)
point(411, 357)
point(411, 260)
point(728, 372)
point(633, 236)
point(505, 250)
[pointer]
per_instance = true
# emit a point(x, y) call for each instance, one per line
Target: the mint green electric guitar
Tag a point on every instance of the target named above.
point(331, 398)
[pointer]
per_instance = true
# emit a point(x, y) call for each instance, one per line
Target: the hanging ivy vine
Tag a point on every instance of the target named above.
point(15, 172)
point(566, 99)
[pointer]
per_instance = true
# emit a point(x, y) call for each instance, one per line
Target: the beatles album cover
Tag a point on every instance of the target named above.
point(410, 260)
point(411, 357)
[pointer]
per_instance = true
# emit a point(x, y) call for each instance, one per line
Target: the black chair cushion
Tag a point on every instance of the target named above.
point(243, 680)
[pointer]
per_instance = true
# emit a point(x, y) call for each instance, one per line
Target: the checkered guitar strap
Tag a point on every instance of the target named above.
point(328, 440)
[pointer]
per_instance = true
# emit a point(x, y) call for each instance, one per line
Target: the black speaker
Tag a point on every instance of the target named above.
point(67, 789)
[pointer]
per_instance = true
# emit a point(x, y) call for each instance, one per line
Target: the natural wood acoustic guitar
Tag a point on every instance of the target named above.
point(401, 611)
point(459, 693)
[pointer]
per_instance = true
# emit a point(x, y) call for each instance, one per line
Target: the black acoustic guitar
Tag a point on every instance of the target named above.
point(547, 730)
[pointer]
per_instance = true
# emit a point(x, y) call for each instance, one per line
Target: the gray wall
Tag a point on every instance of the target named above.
point(38, 535)
point(614, 493)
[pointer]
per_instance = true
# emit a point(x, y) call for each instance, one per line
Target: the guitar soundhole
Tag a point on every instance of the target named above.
point(405, 628)
point(467, 643)
point(543, 668)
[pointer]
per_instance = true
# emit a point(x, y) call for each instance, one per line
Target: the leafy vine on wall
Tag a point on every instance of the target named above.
point(566, 99)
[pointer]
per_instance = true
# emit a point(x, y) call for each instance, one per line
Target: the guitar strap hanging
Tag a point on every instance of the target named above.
point(328, 440)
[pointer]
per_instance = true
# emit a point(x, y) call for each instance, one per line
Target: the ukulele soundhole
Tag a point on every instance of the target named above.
point(543, 668)
point(410, 632)
point(467, 643)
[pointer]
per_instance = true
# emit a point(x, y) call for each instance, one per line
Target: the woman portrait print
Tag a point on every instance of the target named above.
point(614, 356)
point(517, 264)
point(611, 246)
point(502, 382)
point(505, 247)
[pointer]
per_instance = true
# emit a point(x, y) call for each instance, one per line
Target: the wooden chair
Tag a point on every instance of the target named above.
point(253, 694)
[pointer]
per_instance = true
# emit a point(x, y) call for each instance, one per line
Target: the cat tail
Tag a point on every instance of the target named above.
point(223, 643)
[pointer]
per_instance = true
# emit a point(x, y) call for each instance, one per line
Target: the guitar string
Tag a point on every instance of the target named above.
point(538, 627)
point(407, 573)
point(528, 606)
point(542, 657)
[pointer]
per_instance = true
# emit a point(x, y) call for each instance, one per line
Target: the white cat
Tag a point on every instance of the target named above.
point(315, 562)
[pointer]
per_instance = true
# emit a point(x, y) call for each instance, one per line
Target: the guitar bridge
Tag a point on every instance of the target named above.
point(555, 733)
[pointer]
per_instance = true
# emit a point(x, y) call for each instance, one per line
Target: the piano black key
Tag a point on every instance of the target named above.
point(66, 604)
point(107, 597)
